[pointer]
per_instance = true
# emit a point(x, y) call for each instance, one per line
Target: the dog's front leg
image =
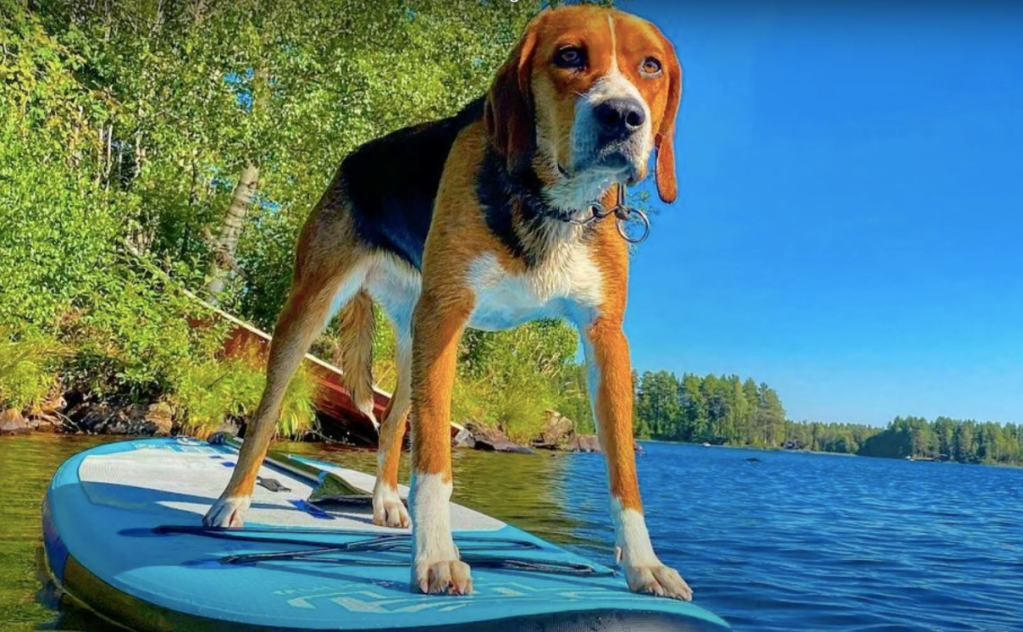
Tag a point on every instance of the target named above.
point(610, 386)
point(440, 317)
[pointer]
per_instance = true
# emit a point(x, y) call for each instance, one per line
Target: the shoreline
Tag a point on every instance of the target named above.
point(820, 453)
point(515, 448)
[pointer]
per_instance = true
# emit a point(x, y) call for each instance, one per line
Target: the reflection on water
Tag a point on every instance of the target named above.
point(26, 466)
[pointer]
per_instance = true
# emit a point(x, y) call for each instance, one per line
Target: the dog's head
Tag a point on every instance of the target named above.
point(588, 93)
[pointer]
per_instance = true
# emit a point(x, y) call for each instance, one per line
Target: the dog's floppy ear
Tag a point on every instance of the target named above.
point(664, 140)
point(509, 116)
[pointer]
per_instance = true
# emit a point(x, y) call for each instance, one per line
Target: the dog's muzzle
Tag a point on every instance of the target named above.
point(612, 137)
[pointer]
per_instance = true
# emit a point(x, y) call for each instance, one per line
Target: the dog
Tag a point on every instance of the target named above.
point(478, 220)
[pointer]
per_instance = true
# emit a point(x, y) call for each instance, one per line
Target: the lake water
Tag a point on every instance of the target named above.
point(789, 542)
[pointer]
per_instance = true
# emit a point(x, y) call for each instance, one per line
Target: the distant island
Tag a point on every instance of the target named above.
point(726, 410)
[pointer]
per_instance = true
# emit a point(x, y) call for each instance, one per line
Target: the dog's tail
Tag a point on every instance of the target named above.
point(356, 328)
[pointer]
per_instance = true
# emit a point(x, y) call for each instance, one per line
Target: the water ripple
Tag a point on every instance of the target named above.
point(825, 543)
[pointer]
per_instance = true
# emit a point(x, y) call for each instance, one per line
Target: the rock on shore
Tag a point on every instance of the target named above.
point(558, 434)
point(480, 437)
point(44, 418)
point(154, 420)
point(12, 422)
point(83, 414)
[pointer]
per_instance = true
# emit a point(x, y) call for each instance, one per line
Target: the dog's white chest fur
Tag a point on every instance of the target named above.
point(566, 284)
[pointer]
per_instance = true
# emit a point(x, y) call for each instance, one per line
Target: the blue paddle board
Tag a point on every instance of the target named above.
point(123, 535)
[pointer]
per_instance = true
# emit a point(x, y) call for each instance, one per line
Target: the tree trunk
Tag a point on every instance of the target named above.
point(227, 242)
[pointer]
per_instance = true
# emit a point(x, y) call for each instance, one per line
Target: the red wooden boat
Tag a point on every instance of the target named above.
point(333, 402)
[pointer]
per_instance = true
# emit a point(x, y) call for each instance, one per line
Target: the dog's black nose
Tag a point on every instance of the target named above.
point(619, 117)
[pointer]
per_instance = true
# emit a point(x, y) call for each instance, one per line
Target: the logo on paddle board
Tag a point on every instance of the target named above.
point(380, 597)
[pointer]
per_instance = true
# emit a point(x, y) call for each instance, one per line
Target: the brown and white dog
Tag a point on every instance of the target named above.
point(466, 222)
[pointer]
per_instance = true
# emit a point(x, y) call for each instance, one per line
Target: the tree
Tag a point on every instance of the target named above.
point(694, 409)
point(944, 429)
point(658, 404)
point(772, 415)
point(964, 443)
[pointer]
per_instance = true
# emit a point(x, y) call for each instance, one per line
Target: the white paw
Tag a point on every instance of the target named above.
point(659, 580)
point(443, 577)
point(388, 510)
point(227, 512)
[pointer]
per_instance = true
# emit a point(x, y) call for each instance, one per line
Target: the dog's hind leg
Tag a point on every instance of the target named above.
point(395, 286)
point(329, 263)
point(355, 357)
point(388, 509)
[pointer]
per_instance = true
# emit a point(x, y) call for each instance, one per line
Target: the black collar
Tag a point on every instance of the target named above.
point(514, 208)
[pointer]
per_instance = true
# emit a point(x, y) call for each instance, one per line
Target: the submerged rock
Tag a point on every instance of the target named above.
point(584, 443)
point(463, 439)
point(559, 434)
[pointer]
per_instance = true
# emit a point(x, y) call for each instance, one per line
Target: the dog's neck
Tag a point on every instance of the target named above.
point(570, 195)
point(533, 216)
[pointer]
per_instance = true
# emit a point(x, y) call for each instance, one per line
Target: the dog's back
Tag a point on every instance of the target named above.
point(390, 183)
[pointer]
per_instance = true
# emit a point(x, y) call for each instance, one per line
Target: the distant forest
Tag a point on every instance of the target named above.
point(726, 410)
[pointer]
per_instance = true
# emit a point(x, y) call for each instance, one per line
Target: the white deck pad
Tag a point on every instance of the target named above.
point(192, 480)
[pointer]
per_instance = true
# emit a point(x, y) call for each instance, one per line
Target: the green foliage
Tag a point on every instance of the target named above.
point(511, 378)
point(208, 393)
point(28, 370)
point(839, 438)
point(709, 409)
point(73, 303)
point(212, 392)
point(298, 415)
point(573, 401)
point(965, 441)
point(131, 122)
point(64, 276)
point(205, 88)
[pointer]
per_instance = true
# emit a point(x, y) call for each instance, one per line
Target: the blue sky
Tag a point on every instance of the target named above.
point(850, 221)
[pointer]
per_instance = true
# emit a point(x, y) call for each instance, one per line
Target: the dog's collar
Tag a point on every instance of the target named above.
point(623, 214)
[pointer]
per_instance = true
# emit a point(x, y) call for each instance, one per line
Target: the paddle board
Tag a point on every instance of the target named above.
point(122, 525)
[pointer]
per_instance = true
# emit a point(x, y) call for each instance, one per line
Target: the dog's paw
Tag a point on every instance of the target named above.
point(659, 580)
point(227, 512)
point(443, 577)
point(388, 510)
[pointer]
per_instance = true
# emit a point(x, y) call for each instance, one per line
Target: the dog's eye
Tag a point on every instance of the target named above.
point(651, 67)
point(570, 57)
